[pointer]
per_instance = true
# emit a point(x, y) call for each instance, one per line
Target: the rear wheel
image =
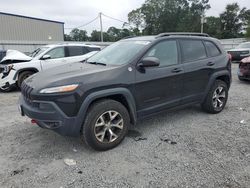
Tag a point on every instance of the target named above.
point(22, 76)
point(216, 98)
point(106, 125)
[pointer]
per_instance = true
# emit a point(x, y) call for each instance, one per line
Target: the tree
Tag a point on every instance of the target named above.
point(157, 16)
point(233, 21)
point(79, 35)
point(213, 26)
point(67, 37)
point(248, 31)
point(96, 36)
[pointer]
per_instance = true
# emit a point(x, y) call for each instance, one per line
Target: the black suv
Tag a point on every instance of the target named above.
point(133, 78)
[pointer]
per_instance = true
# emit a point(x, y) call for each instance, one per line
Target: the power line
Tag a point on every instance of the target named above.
point(85, 23)
point(115, 19)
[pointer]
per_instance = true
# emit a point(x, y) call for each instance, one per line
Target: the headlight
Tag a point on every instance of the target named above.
point(7, 68)
point(60, 89)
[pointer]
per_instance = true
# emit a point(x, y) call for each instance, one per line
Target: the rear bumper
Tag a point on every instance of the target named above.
point(49, 116)
point(243, 74)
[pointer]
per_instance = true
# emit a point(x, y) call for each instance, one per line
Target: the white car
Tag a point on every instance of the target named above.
point(16, 66)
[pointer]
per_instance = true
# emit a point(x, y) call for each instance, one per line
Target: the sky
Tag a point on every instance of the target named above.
point(78, 12)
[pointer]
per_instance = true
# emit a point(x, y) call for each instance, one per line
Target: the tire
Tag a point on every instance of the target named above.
point(216, 98)
point(8, 89)
point(22, 76)
point(241, 79)
point(103, 116)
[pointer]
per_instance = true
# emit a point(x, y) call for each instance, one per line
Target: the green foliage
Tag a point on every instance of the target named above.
point(248, 31)
point(213, 26)
point(79, 35)
point(157, 16)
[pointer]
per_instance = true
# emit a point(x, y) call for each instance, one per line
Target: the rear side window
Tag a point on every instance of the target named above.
point(192, 50)
point(212, 49)
point(76, 50)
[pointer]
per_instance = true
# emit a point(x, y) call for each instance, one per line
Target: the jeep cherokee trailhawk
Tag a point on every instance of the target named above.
point(133, 78)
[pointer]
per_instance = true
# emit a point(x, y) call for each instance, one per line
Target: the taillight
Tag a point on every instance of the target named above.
point(230, 56)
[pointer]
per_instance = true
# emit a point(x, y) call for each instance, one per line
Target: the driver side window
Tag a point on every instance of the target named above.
point(56, 53)
point(166, 52)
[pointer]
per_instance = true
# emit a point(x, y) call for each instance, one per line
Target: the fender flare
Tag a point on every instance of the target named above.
point(106, 93)
point(212, 80)
point(25, 69)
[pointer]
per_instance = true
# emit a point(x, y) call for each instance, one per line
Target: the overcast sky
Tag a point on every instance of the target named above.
point(77, 12)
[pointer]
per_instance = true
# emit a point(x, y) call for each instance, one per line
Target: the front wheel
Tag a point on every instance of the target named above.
point(241, 79)
point(216, 98)
point(22, 76)
point(106, 125)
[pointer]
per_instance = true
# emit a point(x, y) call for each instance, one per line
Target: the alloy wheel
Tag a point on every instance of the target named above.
point(219, 97)
point(108, 126)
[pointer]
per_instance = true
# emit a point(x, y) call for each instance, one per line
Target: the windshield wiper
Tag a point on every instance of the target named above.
point(96, 63)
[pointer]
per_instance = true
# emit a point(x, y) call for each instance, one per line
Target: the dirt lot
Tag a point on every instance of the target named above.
point(200, 150)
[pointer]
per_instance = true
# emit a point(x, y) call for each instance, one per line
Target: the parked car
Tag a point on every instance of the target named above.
point(2, 54)
point(240, 52)
point(16, 66)
point(129, 80)
point(244, 69)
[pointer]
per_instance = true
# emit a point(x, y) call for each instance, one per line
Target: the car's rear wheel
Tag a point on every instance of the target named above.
point(106, 125)
point(22, 76)
point(216, 98)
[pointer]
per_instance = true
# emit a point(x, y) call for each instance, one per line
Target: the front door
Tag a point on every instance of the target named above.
point(160, 87)
point(56, 58)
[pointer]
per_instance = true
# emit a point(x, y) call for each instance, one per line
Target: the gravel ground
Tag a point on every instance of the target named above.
point(185, 148)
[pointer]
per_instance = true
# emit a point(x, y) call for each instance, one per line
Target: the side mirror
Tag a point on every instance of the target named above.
point(46, 57)
point(149, 62)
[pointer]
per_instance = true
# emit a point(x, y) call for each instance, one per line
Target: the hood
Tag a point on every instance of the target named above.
point(15, 56)
point(65, 74)
point(239, 49)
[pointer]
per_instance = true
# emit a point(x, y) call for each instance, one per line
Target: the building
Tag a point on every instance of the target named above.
point(25, 33)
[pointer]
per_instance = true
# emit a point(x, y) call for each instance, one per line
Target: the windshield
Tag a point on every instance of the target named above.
point(244, 45)
point(118, 53)
point(38, 51)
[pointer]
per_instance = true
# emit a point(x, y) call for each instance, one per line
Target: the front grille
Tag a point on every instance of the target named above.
point(234, 53)
point(26, 91)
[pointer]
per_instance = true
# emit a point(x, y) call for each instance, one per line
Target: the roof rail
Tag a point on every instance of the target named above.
point(128, 37)
point(182, 33)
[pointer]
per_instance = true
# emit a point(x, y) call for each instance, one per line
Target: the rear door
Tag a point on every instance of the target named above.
point(75, 53)
point(197, 69)
point(57, 58)
point(160, 87)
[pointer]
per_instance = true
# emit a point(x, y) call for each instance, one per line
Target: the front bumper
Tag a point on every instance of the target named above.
point(7, 80)
point(49, 116)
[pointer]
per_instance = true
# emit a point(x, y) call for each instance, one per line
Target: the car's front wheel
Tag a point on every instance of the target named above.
point(216, 98)
point(7, 88)
point(106, 125)
point(22, 76)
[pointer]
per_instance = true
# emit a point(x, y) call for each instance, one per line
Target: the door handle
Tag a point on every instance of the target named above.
point(176, 70)
point(210, 63)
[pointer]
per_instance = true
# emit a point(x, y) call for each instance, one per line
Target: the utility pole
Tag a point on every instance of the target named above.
point(202, 23)
point(100, 16)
